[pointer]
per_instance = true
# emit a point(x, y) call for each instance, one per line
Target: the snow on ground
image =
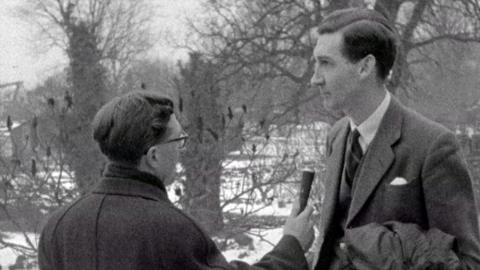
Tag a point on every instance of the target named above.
point(260, 209)
point(8, 256)
point(263, 245)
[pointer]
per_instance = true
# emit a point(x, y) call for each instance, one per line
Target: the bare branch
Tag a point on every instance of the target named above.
point(461, 37)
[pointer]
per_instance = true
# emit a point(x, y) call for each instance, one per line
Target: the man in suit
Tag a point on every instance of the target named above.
point(128, 222)
point(385, 162)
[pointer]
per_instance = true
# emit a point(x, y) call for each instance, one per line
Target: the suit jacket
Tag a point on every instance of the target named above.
point(438, 194)
point(127, 223)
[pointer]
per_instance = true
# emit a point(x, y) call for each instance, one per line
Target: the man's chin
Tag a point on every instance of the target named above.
point(329, 104)
point(333, 108)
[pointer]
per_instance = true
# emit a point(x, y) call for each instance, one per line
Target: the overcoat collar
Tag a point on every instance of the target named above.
point(128, 181)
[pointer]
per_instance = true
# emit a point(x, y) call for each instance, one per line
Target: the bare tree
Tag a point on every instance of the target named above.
point(201, 103)
point(235, 160)
point(425, 22)
point(122, 28)
point(155, 75)
point(100, 39)
point(35, 177)
point(274, 39)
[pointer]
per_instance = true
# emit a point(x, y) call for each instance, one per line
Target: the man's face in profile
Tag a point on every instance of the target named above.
point(168, 151)
point(335, 76)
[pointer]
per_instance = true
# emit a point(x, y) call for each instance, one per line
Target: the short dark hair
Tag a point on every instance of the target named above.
point(128, 125)
point(365, 32)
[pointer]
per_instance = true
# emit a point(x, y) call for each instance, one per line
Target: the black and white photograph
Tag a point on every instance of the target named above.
point(240, 134)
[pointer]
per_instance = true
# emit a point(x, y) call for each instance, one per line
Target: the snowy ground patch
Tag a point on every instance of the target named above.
point(9, 256)
point(263, 245)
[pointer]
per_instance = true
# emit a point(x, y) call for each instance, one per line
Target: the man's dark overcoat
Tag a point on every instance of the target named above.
point(128, 222)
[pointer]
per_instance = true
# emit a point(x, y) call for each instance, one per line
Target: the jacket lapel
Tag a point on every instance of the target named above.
point(378, 158)
point(334, 172)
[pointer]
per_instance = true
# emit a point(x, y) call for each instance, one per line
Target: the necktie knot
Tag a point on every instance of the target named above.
point(355, 136)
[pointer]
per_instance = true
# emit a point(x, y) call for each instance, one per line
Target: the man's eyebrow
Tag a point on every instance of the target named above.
point(320, 57)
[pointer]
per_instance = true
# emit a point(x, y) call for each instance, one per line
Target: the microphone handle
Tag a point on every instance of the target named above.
point(305, 187)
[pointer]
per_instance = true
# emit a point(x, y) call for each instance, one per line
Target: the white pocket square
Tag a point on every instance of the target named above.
point(399, 181)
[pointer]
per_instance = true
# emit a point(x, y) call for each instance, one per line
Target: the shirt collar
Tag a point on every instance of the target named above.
point(368, 128)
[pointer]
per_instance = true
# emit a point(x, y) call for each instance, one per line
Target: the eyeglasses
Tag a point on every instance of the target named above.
point(182, 139)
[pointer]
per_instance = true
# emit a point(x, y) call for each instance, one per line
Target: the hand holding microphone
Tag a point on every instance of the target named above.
point(299, 223)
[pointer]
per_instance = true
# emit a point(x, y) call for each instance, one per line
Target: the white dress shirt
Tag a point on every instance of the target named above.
point(368, 128)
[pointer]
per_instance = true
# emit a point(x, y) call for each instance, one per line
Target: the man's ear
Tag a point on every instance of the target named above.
point(367, 66)
point(152, 155)
point(147, 162)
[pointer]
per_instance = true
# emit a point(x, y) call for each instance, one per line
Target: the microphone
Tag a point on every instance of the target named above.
point(305, 187)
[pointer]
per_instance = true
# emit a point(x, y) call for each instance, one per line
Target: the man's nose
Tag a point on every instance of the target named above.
point(317, 80)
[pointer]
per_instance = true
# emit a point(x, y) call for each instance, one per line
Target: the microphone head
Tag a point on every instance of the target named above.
point(305, 186)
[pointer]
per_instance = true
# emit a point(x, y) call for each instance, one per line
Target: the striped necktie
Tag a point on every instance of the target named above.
point(354, 156)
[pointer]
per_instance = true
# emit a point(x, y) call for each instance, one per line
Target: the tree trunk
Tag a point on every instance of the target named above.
point(206, 126)
point(87, 78)
point(202, 187)
point(390, 8)
point(338, 4)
